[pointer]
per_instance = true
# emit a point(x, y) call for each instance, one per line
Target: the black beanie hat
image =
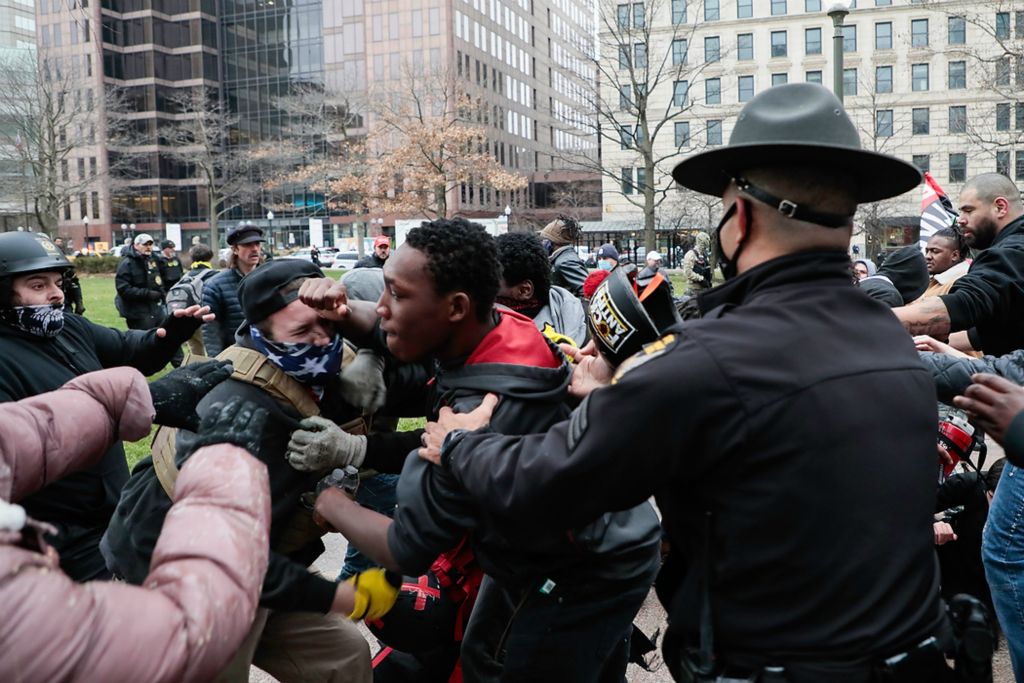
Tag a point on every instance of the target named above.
point(259, 292)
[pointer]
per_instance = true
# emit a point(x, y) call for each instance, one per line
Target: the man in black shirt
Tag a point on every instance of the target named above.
point(985, 307)
point(800, 540)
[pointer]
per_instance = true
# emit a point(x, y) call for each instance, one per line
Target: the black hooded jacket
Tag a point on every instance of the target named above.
point(531, 378)
point(901, 279)
point(139, 286)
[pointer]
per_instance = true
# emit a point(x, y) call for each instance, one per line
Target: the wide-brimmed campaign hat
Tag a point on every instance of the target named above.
point(798, 124)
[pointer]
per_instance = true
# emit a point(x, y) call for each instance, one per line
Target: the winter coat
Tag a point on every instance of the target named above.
point(989, 300)
point(755, 414)
point(80, 504)
point(568, 270)
point(565, 314)
point(942, 283)
point(140, 291)
point(370, 261)
point(901, 279)
point(200, 597)
point(170, 270)
point(220, 293)
point(531, 378)
point(288, 585)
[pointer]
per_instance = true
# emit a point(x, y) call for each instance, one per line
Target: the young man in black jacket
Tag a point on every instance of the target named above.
point(41, 348)
point(983, 308)
point(301, 632)
point(556, 605)
point(140, 291)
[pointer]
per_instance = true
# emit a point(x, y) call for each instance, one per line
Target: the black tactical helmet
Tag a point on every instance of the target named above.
point(29, 252)
point(620, 323)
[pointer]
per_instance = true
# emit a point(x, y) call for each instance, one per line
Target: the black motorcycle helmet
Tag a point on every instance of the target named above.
point(22, 253)
point(619, 323)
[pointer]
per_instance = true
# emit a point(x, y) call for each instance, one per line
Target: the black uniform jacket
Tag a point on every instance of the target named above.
point(531, 377)
point(139, 285)
point(797, 412)
point(80, 504)
point(289, 585)
point(989, 300)
point(170, 270)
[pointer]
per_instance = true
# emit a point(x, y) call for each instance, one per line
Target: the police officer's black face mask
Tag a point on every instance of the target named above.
point(726, 263)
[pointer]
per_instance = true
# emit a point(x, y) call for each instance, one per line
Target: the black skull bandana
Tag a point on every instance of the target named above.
point(46, 320)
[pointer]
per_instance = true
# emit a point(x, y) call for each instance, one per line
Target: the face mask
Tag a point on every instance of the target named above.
point(604, 265)
point(725, 264)
point(308, 363)
point(45, 320)
point(548, 245)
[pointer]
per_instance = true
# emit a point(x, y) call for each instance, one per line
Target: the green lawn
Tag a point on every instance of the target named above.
point(98, 296)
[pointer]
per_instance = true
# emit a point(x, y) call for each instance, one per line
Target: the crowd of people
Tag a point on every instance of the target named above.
point(792, 458)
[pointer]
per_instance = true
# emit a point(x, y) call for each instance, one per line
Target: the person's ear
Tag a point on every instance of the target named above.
point(1002, 206)
point(460, 307)
point(524, 290)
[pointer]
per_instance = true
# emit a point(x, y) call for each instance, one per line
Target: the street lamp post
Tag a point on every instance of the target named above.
point(85, 247)
point(270, 223)
point(838, 13)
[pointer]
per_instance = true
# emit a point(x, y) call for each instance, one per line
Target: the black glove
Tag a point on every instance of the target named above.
point(156, 296)
point(176, 394)
point(179, 329)
point(236, 422)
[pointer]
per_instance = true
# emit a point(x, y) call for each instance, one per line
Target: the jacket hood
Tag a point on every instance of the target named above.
point(514, 360)
point(565, 314)
point(908, 272)
point(869, 264)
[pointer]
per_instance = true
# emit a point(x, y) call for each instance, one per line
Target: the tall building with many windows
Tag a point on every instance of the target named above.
point(939, 84)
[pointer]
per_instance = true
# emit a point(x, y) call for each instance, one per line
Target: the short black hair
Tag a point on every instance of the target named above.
point(461, 256)
point(200, 252)
point(523, 257)
point(992, 475)
point(956, 236)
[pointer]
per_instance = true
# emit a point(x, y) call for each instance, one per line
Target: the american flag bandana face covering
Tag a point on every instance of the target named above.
point(46, 320)
point(307, 363)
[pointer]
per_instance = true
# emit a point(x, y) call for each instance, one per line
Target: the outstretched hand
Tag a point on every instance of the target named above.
point(448, 421)
point(196, 312)
point(327, 297)
point(991, 402)
point(923, 342)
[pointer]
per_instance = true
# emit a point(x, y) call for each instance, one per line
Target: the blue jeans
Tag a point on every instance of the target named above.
point(378, 494)
point(1002, 552)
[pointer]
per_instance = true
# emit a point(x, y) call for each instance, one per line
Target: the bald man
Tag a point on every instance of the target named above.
point(985, 308)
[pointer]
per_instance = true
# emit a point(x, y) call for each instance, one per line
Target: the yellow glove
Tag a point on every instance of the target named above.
point(375, 593)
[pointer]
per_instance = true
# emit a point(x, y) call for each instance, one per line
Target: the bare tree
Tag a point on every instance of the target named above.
point(49, 121)
point(644, 52)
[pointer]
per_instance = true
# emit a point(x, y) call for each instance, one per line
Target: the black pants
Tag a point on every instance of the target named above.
point(530, 636)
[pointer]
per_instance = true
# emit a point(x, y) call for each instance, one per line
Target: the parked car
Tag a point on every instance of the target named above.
point(345, 260)
point(326, 255)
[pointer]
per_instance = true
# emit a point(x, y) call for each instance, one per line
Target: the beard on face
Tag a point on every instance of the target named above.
point(982, 234)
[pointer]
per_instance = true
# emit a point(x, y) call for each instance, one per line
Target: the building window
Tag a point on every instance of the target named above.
point(744, 9)
point(623, 16)
point(1002, 25)
point(883, 79)
point(958, 119)
point(1018, 116)
point(745, 46)
point(957, 167)
point(923, 162)
point(712, 49)
point(746, 88)
point(625, 137)
point(957, 31)
point(680, 47)
point(640, 55)
point(780, 79)
point(678, 12)
point(919, 77)
point(778, 8)
point(850, 82)
point(883, 123)
point(813, 77)
point(850, 38)
point(883, 3)
point(1019, 175)
point(812, 41)
point(1003, 71)
point(883, 35)
point(1003, 116)
point(682, 134)
point(641, 179)
point(919, 33)
point(920, 122)
point(714, 132)
point(713, 91)
point(711, 10)
point(627, 180)
point(680, 93)
point(1003, 162)
point(957, 75)
point(623, 56)
point(1018, 24)
point(625, 98)
point(638, 15)
point(812, 5)
point(779, 46)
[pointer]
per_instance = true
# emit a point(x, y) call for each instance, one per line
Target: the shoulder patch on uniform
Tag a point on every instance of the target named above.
point(578, 423)
point(646, 353)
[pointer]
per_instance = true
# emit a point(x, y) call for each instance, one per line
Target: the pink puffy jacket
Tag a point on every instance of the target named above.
point(199, 599)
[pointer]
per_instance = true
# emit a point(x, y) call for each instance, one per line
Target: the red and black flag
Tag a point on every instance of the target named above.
point(937, 210)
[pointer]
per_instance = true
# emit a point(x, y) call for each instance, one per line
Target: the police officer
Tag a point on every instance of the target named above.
point(801, 543)
point(140, 292)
